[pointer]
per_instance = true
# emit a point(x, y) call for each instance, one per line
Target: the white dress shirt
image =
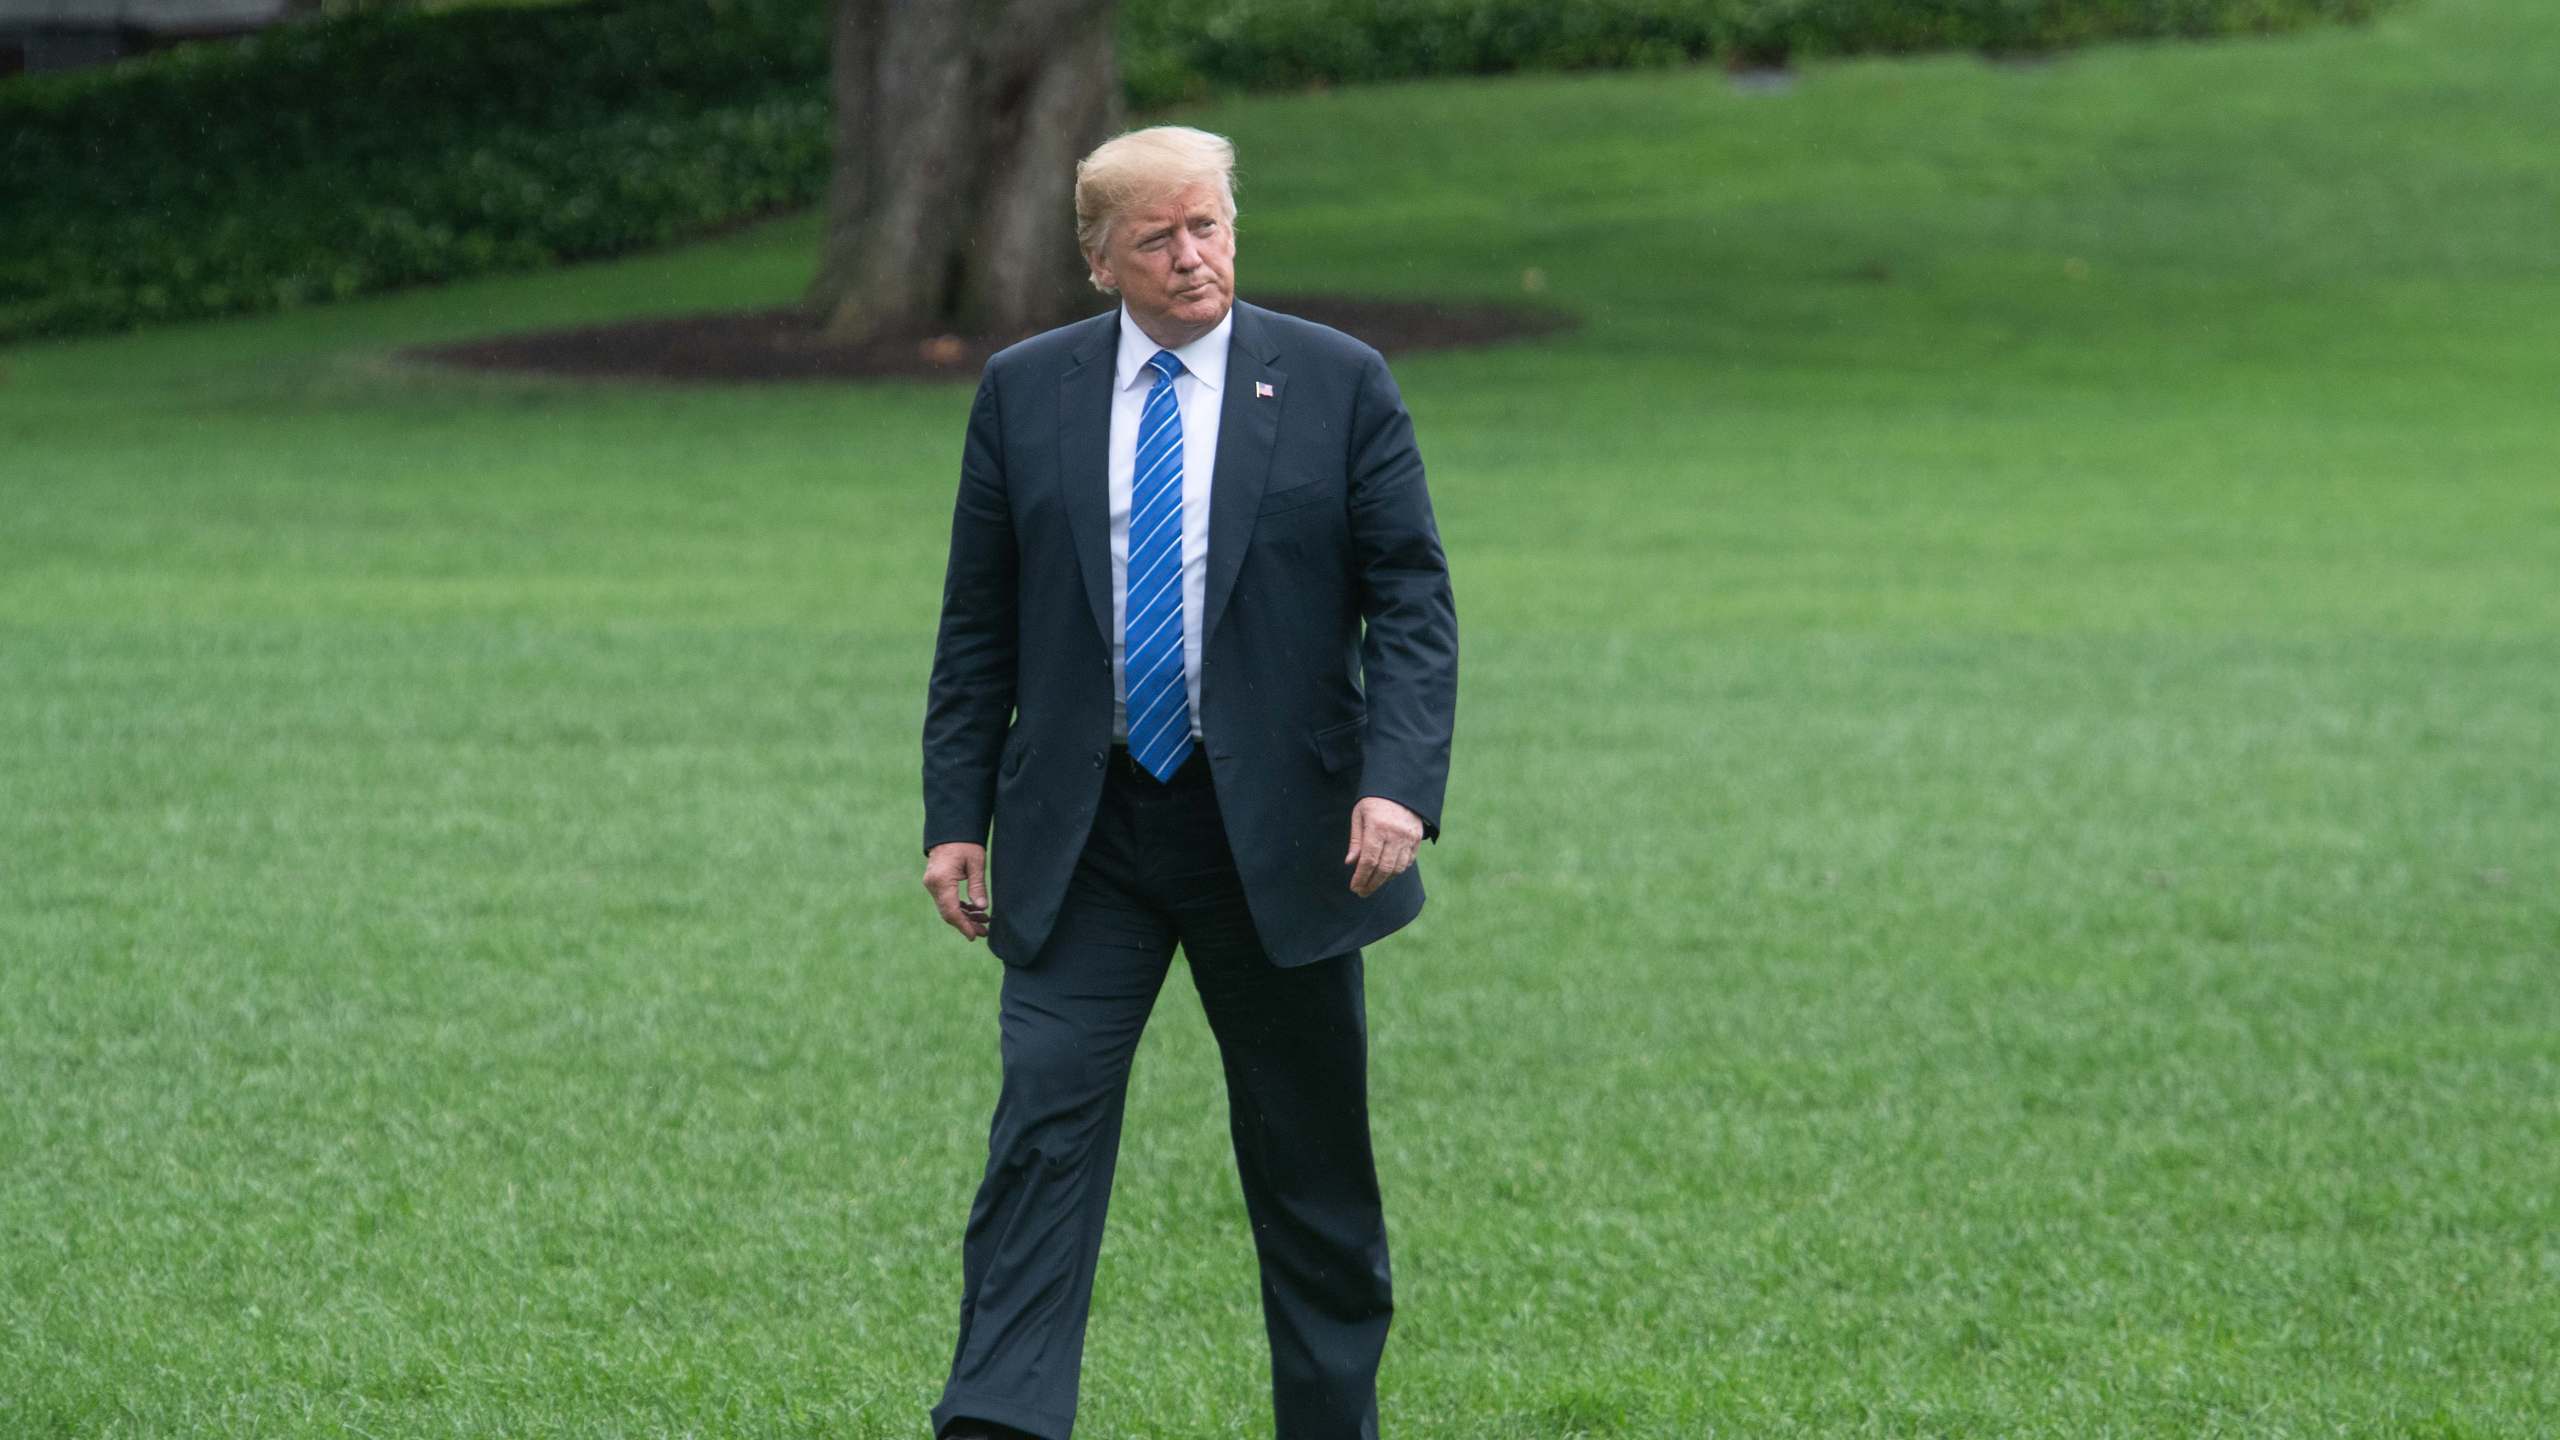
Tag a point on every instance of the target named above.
point(1196, 389)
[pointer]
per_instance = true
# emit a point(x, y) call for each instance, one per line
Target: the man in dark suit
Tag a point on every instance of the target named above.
point(1196, 625)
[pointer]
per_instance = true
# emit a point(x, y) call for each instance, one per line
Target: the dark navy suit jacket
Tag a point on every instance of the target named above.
point(1329, 664)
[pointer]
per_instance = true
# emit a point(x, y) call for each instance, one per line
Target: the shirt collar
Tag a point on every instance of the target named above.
point(1205, 357)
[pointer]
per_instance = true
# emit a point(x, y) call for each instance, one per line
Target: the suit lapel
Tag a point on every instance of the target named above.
point(1248, 428)
point(1084, 460)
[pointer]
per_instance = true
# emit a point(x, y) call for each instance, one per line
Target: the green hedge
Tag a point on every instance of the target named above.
point(329, 159)
point(382, 149)
point(1185, 49)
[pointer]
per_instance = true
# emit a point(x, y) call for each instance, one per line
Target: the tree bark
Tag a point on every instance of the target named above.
point(958, 124)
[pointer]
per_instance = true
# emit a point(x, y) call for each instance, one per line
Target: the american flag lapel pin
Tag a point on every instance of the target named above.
point(1262, 390)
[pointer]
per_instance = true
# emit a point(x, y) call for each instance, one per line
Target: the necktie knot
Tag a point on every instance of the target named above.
point(1166, 366)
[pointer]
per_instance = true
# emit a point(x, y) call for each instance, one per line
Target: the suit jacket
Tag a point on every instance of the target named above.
point(1329, 659)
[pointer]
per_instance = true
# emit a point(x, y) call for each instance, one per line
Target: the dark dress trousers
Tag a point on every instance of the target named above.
point(1328, 672)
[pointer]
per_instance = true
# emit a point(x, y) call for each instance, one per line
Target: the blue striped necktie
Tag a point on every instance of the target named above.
point(1159, 705)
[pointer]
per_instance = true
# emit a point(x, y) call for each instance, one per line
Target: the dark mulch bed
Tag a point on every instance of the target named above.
point(744, 346)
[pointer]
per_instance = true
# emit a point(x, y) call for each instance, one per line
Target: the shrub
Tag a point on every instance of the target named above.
point(387, 148)
point(1186, 49)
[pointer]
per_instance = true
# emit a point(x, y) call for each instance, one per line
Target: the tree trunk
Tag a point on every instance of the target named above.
point(951, 209)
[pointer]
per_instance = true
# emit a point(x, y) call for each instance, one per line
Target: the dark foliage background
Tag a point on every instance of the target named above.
point(392, 147)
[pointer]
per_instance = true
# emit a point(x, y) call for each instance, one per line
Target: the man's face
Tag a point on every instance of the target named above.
point(1174, 262)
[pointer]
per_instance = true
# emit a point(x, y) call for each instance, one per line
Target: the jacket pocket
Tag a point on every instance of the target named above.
point(1339, 746)
point(1311, 492)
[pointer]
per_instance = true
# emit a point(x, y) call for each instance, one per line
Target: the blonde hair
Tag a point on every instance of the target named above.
point(1147, 165)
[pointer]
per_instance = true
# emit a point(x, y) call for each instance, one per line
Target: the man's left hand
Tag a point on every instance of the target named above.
point(1383, 837)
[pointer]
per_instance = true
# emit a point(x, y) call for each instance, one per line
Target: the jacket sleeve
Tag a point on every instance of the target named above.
point(969, 699)
point(1409, 644)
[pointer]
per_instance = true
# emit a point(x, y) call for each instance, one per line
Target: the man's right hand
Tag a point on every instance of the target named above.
point(955, 875)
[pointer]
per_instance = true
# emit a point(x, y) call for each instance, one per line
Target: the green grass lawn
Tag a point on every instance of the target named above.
point(2003, 875)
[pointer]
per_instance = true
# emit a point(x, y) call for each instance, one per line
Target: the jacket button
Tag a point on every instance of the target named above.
point(1098, 758)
